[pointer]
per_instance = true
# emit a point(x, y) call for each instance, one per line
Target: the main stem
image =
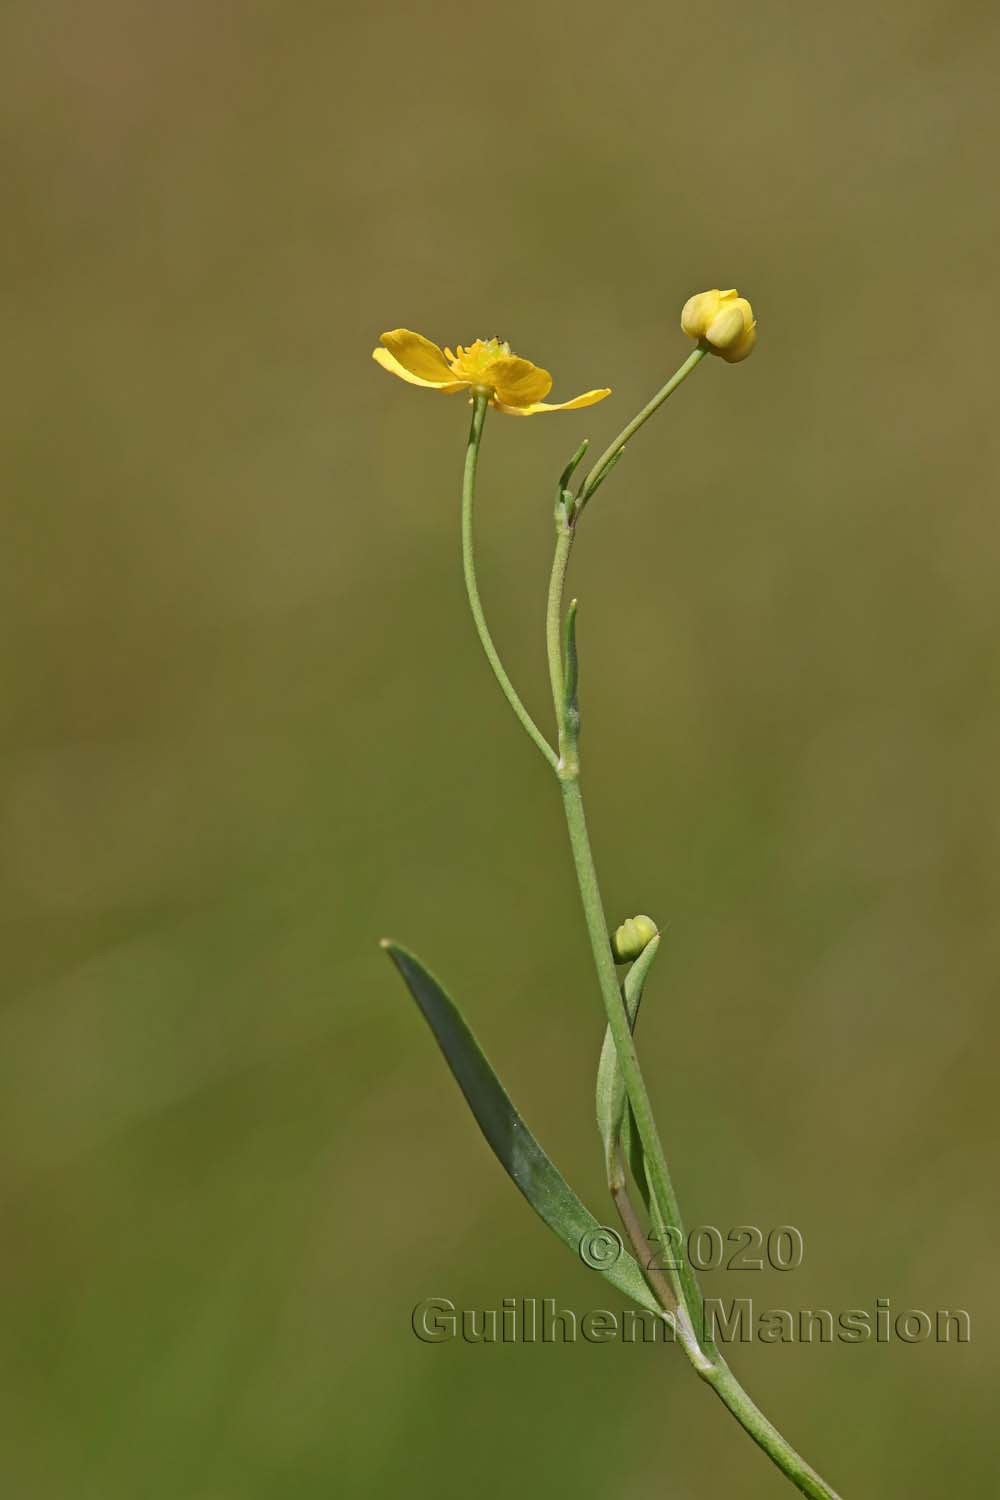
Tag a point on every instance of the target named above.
point(699, 1346)
point(765, 1434)
point(666, 1212)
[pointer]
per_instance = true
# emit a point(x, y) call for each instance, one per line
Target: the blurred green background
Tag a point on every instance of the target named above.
point(247, 730)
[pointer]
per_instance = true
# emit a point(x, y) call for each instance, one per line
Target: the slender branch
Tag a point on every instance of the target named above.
point(480, 403)
point(607, 458)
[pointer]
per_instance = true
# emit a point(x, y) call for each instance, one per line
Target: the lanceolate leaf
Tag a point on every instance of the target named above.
point(513, 1143)
point(611, 1100)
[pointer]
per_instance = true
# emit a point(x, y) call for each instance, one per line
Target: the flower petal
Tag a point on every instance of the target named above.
point(517, 382)
point(726, 327)
point(742, 347)
point(698, 311)
point(386, 360)
point(589, 398)
point(417, 354)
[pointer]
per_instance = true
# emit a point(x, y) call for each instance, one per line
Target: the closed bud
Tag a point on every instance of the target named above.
point(724, 321)
point(631, 937)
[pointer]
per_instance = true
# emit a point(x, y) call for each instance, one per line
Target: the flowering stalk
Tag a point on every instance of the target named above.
point(479, 404)
point(723, 324)
point(611, 454)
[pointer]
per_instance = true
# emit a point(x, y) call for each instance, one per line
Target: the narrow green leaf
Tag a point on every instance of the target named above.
point(570, 469)
point(610, 1083)
point(513, 1143)
point(565, 499)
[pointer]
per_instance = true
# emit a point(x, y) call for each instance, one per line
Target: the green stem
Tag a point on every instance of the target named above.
point(765, 1434)
point(553, 628)
point(480, 403)
point(698, 1344)
point(607, 458)
point(684, 1282)
point(666, 1212)
point(689, 1314)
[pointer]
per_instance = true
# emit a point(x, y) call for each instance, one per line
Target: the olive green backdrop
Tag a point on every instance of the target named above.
point(247, 730)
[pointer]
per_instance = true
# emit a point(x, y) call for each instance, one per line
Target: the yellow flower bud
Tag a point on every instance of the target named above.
point(631, 937)
point(723, 320)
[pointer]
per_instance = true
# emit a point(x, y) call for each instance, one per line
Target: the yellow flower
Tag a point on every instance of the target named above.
point(515, 386)
point(724, 320)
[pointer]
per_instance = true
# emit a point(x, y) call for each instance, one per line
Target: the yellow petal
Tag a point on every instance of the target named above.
point(385, 359)
point(589, 398)
point(742, 347)
point(698, 311)
point(727, 327)
point(417, 354)
point(517, 382)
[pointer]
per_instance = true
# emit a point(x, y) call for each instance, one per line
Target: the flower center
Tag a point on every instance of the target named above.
point(475, 362)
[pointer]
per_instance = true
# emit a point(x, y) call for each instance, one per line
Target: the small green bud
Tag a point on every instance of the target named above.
point(631, 937)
